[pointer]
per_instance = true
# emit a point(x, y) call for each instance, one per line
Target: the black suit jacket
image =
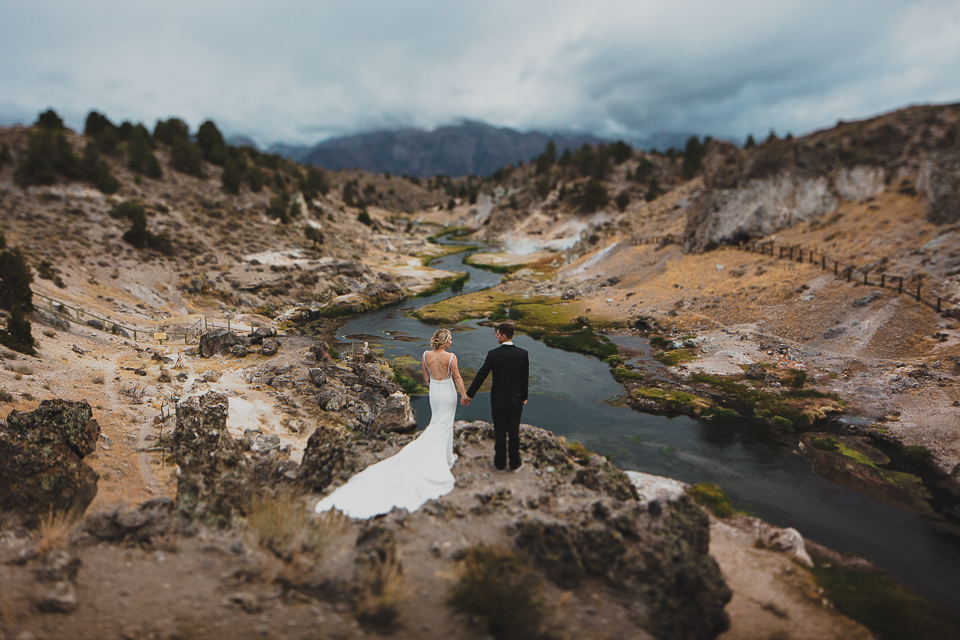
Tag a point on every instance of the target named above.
point(511, 373)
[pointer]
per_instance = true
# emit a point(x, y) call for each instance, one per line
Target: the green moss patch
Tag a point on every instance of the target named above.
point(673, 401)
point(890, 610)
point(713, 498)
point(675, 357)
point(850, 461)
point(442, 284)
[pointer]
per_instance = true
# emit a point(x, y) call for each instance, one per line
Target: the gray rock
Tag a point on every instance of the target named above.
point(865, 300)
point(53, 320)
point(396, 415)
point(247, 601)
point(117, 330)
point(317, 377)
point(96, 324)
point(41, 459)
point(239, 351)
point(834, 332)
point(57, 566)
point(137, 525)
point(216, 341)
point(259, 442)
point(62, 598)
point(270, 347)
point(756, 372)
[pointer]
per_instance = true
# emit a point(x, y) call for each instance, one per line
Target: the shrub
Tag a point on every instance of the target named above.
point(546, 159)
point(97, 123)
point(543, 186)
point(3, 240)
point(138, 235)
point(750, 143)
point(620, 151)
point(917, 455)
point(186, 157)
point(48, 155)
point(713, 498)
point(46, 272)
point(15, 279)
point(97, 171)
point(364, 218)
point(18, 335)
point(693, 155)
point(653, 190)
point(622, 200)
point(277, 209)
point(351, 189)
point(140, 157)
point(314, 235)
point(314, 182)
point(127, 209)
point(5, 157)
point(500, 588)
point(231, 178)
point(644, 170)
point(49, 120)
point(594, 196)
point(795, 378)
point(255, 179)
point(211, 143)
point(170, 130)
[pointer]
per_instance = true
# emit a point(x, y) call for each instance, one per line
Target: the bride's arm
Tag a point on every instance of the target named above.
point(457, 380)
point(426, 374)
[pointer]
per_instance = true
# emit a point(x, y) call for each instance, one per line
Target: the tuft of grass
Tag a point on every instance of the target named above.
point(795, 378)
point(884, 606)
point(583, 341)
point(5, 396)
point(498, 587)
point(97, 378)
point(713, 498)
point(53, 531)
point(282, 525)
point(579, 452)
point(409, 384)
point(381, 590)
point(21, 369)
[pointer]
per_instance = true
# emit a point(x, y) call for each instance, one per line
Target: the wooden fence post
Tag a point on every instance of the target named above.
point(900, 285)
point(865, 277)
point(791, 253)
point(918, 292)
point(836, 265)
point(938, 304)
point(781, 252)
point(883, 280)
point(849, 273)
point(823, 263)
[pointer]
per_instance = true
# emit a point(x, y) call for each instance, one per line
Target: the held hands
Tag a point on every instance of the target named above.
point(465, 401)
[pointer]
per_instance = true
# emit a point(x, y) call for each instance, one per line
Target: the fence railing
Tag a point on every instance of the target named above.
point(840, 270)
point(661, 240)
point(159, 335)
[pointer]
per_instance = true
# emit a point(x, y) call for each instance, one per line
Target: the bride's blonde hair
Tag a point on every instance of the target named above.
point(440, 338)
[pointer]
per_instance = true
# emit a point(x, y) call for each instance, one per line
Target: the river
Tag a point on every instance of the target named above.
point(574, 395)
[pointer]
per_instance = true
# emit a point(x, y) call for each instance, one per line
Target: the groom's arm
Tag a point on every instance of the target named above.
point(524, 386)
point(479, 378)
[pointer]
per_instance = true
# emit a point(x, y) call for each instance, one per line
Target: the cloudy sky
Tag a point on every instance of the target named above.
point(301, 70)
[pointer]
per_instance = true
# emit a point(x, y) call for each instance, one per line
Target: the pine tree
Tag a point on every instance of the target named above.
point(15, 279)
point(18, 335)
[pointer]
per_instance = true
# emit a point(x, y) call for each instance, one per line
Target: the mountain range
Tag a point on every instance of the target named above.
point(467, 148)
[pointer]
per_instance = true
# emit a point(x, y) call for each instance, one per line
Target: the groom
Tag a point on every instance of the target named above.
point(511, 371)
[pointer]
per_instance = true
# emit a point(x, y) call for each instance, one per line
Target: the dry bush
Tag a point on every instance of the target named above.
point(21, 369)
point(498, 586)
point(97, 378)
point(53, 531)
point(380, 593)
point(282, 525)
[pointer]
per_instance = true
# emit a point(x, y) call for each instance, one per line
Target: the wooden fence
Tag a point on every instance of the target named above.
point(57, 307)
point(826, 263)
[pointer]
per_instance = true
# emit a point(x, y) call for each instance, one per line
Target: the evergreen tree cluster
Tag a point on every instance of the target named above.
point(138, 235)
point(17, 297)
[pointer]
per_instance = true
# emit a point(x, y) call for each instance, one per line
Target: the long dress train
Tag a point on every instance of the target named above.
point(417, 473)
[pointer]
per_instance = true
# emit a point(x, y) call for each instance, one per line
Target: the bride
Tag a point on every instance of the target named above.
point(421, 470)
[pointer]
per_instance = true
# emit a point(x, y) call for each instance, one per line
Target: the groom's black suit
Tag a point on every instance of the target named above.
point(511, 372)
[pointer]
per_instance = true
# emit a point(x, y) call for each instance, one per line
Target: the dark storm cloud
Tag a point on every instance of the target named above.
point(299, 71)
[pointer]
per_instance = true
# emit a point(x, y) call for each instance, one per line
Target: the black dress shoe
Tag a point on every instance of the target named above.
point(517, 467)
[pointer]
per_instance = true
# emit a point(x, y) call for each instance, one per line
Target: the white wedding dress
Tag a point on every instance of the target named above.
point(417, 473)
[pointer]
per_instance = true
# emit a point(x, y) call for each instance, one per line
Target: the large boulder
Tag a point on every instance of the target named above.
point(396, 415)
point(217, 341)
point(214, 480)
point(41, 459)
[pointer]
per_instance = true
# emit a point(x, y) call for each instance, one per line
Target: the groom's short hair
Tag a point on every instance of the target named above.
point(506, 330)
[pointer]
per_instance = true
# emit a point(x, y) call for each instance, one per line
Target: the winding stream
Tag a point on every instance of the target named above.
point(574, 395)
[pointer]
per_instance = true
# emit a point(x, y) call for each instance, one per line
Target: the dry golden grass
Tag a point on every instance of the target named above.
point(53, 531)
point(381, 591)
point(282, 525)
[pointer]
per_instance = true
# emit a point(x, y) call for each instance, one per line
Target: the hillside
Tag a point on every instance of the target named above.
point(614, 240)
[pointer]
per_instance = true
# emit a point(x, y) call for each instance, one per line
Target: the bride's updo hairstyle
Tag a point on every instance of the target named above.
point(440, 338)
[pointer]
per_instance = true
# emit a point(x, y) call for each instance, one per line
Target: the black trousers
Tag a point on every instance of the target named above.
point(506, 429)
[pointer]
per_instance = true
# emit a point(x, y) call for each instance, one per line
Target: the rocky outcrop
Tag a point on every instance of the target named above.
point(217, 341)
point(41, 459)
point(751, 193)
point(219, 475)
